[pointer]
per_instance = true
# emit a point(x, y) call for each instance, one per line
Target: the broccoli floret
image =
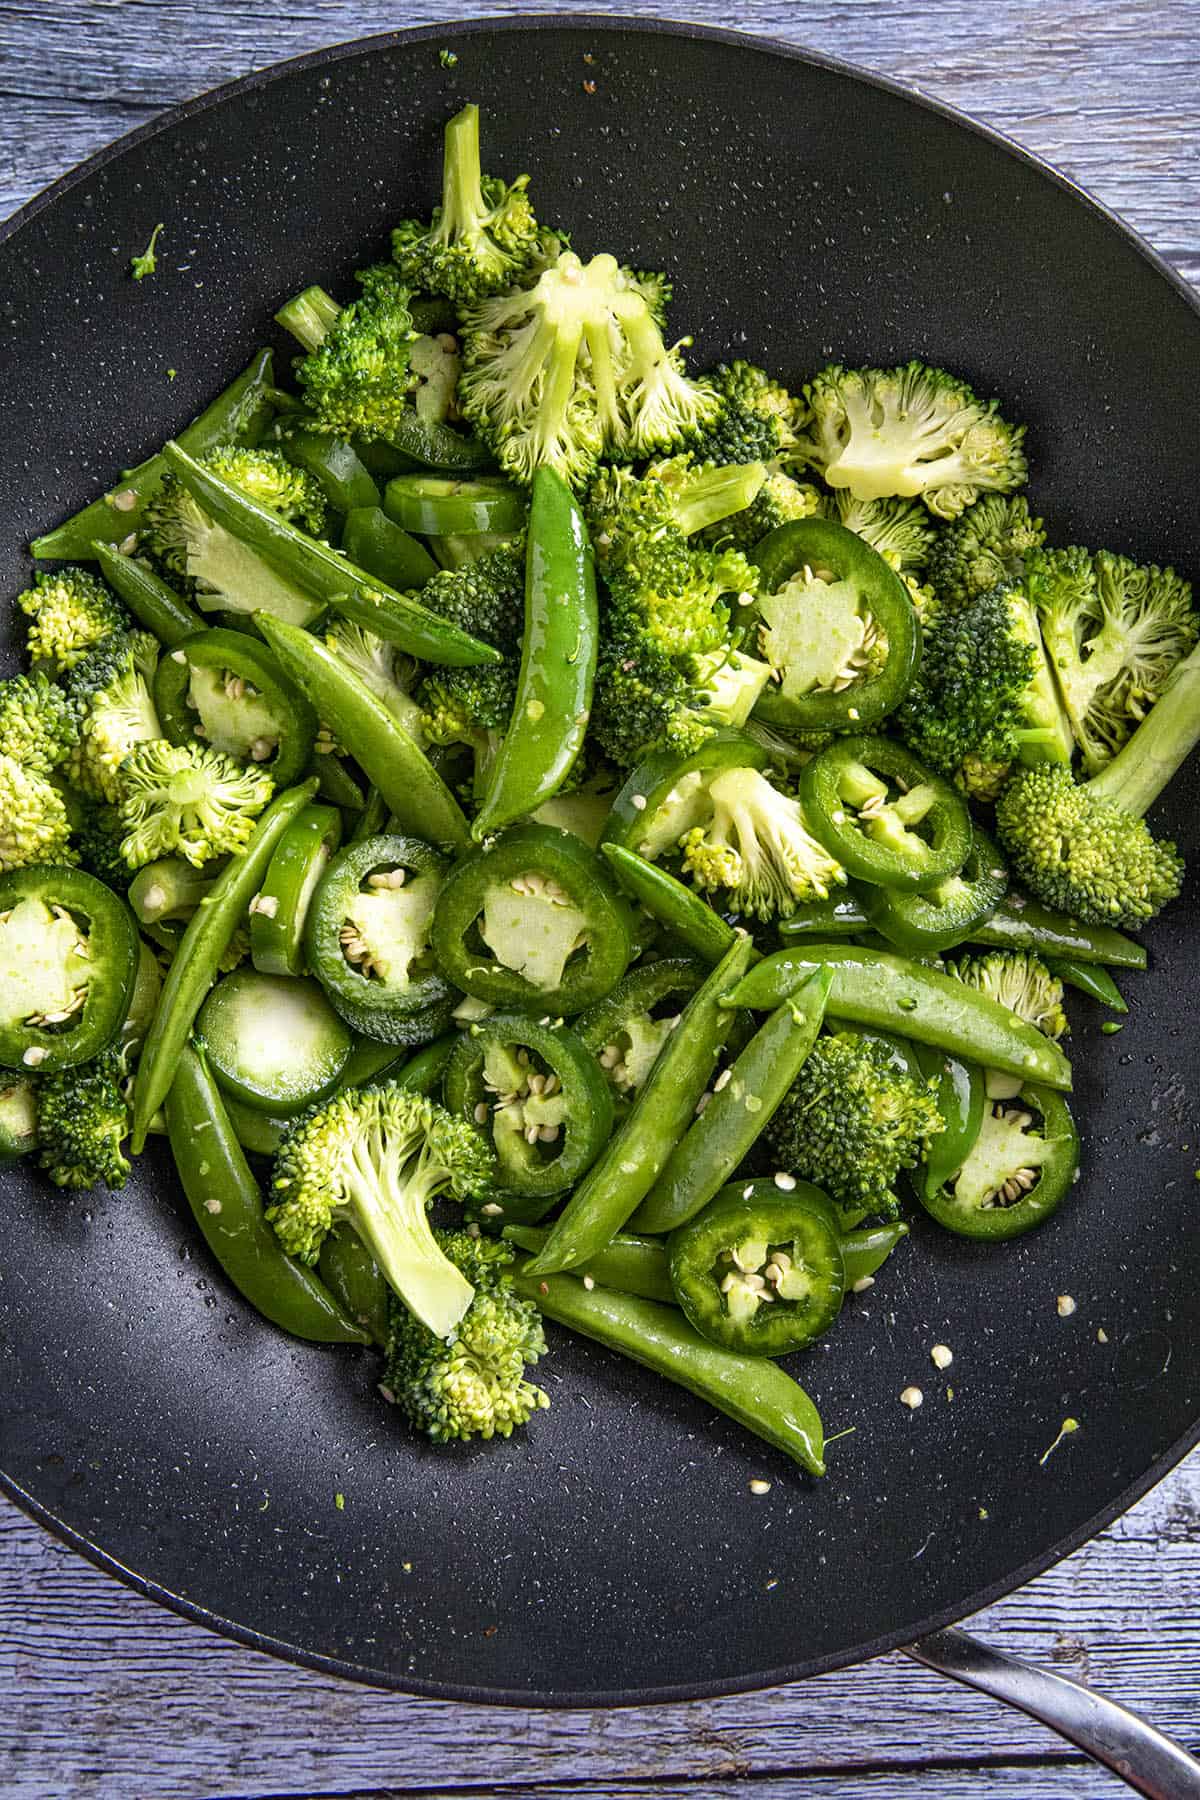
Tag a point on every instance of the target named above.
point(779, 500)
point(642, 701)
point(758, 420)
point(573, 369)
point(436, 365)
point(483, 238)
point(1022, 982)
point(380, 666)
point(852, 1120)
point(82, 1122)
point(757, 847)
point(376, 1158)
point(69, 612)
point(34, 823)
point(109, 690)
point(912, 430)
point(987, 544)
point(1113, 631)
point(96, 840)
point(188, 800)
point(984, 696)
point(900, 530)
point(269, 478)
point(38, 727)
point(357, 376)
point(486, 598)
point(472, 1383)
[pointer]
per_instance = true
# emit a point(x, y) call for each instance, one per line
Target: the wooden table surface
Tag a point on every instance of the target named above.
point(103, 1694)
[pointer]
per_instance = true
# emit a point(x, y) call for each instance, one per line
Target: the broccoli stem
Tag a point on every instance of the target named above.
point(308, 316)
point(463, 204)
point(715, 494)
point(1168, 734)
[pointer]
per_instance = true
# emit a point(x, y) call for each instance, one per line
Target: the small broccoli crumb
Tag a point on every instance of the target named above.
point(448, 58)
point(339, 1500)
point(1066, 1430)
point(147, 262)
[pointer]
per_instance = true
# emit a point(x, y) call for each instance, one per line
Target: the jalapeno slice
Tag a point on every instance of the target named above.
point(664, 796)
point(759, 1271)
point(440, 506)
point(538, 1096)
point(532, 923)
point(1015, 1174)
point(837, 626)
point(225, 688)
point(888, 820)
point(279, 911)
point(961, 1097)
point(625, 1031)
point(367, 939)
point(68, 962)
point(924, 924)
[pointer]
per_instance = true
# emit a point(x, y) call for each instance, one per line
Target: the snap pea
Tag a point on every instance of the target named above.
point(961, 1097)
point(194, 968)
point(635, 1156)
point(630, 1265)
point(1019, 924)
point(227, 1206)
point(237, 416)
point(153, 604)
point(558, 660)
point(842, 915)
point(753, 1390)
point(1090, 979)
point(676, 907)
point(716, 1144)
point(871, 987)
point(390, 759)
point(372, 819)
point(324, 572)
point(335, 782)
point(370, 539)
point(356, 1281)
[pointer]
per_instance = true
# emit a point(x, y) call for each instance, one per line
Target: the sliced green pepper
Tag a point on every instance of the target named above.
point(537, 1096)
point(868, 1247)
point(370, 539)
point(760, 1271)
point(332, 461)
point(237, 416)
point(68, 963)
point(753, 1390)
point(433, 445)
point(924, 924)
point(279, 911)
point(630, 1265)
point(420, 1073)
point(439, 506)
point(1016, 1173)
point(226, 689)
point(665, 795)
point(889, 656)
point(744, 1100)
point(367, 939)
point(151, 601)
point(558, 660)
point(626, 1030)
point(961, 1097)
point(908, 840)
point(1090, 979)
point(628, 1168)
point(533, 923)
point(872, 987)
point(678, 908)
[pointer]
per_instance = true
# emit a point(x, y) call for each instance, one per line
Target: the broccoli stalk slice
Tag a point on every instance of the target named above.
point(1164, 740)
point(706, 496)
point(309, 316)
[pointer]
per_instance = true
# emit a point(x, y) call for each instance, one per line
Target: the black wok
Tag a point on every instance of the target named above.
point(614, 1553)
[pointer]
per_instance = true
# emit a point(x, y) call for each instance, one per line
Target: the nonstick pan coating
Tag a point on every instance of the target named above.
point(614, 1552)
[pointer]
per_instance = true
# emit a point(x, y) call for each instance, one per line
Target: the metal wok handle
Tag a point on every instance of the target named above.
point(1147, 1760)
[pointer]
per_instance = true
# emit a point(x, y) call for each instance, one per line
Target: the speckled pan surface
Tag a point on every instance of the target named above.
point(614, 1551)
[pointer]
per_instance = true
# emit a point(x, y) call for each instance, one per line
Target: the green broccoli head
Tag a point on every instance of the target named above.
point(573, 369)
point(909, 431)
point(38, 727)
point(852, 1120)
point(83, 1121)
point(483, 237)
point(1114, 631)
point(96, 839)
point(110, 693)
point(987, 544)
point(35, 826)
point(357, 375)
point(757, 847)
point(471, 1384)
point(642, 701)
point(486, 598)
point(984, 696)
point(1022, 982)
point(758, 420)
point(68, 613)
point(900, 530)
point(779, 500)
point(188, 800)
point(377, 1158)
point(267, 477)
point(1082, 854)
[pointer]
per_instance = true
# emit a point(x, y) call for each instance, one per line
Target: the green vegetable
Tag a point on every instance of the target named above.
point(886, 819)
point(370, 540)
point(1097, 983)
point(69, 613)
point(18, 1118)
point(1021, 924)
point(1017, 1172)
point(152, 601)
point(439, 506)
point(272, 1041)
point(332, 462)
point(685, 916)
point(1022, 982)
point(867, 1248)
point(985, 546)
point(38, 728)
point(758, 420)
point(68, 959)
point(279, 911)
point(488, 597)
point(627, 1029)
point(109, 691)
point(146, 262)
point(960, 1094)
point(225, 689)
point(948, 914)
point(189, 801)
point(759, 845)
point(82, 1122)
point(630, 1265)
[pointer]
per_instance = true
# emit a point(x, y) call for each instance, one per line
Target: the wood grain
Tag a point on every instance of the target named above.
point(111, 1698)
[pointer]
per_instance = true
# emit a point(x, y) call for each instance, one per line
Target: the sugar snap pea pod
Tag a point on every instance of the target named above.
point(322, 571)
point(370, 539)
point(335, 782)
point(558, 660)
point(1020, 924)
point(675, 906)
point(634, 1157)
point(151, 601)
point(872, 987)
point(841, 915)
point(237, 416)
point(390, 759)
point(279, 911)
point(751, 1389)
point(259, 1132)
point(356, 1281)
point(227, 1206)
point(744, 1100)
point(372, 819)
point(1090, 979)
point(630, 1265)
point(194, 968)
point(867, 1248)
